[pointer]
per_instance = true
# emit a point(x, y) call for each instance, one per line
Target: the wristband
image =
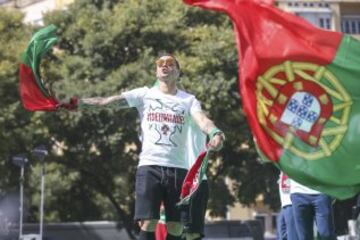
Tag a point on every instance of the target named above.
point(216, 131)
point(71, 105)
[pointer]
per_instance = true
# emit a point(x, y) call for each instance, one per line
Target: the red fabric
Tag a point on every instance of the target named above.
point(160, 231)
point(267, 36)
point(31, 96)
point(187, 186)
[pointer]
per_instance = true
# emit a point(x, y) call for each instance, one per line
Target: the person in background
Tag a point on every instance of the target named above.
point(309, 205)
point(193, 214)
point(285, 225)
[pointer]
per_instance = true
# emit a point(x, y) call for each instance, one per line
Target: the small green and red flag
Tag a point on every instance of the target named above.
point(194, 177)
point(300, 92)
point(35, 96)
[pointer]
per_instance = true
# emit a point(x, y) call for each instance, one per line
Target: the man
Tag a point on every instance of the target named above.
point(165, 113)
point(309, 205)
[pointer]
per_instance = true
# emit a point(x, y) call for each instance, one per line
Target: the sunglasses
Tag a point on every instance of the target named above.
point(168, 62)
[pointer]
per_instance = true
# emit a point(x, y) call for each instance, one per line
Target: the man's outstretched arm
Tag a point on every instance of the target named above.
point(115, 102)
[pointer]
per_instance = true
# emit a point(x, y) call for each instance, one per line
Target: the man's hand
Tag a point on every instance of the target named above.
point(216, 143)
point(216, 136)
point(71, 105)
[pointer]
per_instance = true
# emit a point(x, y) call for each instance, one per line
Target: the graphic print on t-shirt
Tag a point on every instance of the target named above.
point(284, 183)
point(166, 120)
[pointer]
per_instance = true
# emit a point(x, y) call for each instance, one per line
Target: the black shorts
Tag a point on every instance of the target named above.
point(156, 184)
point(193, 214)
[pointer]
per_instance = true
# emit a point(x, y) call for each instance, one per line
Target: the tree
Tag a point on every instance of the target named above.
point(13, 121)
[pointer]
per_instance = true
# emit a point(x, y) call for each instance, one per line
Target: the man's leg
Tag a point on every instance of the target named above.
point(174, 230)
point(324, 217)
point(281, 225)
point(174, 179)
point(148, 193)
point(147, 229)
point(303, 215)
point(289, 223)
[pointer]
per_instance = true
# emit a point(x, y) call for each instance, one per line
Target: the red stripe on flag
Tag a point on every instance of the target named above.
point(31, 96)
point(191, 175)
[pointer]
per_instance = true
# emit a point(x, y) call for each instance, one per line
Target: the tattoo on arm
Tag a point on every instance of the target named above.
point(114, 102)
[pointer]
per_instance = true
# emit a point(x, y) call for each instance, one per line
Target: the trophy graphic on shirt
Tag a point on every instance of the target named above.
point(165, 134)
point(166, 120)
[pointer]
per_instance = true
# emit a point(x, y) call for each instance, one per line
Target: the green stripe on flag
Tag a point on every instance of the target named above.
point(40, 43)
point(338, 173)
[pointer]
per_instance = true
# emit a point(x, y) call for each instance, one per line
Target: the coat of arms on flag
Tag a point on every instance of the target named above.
point(306, 101)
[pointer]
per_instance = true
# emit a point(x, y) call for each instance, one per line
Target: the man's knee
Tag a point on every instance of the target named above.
point(174, 228)
point(193, 236)
point(148, 225)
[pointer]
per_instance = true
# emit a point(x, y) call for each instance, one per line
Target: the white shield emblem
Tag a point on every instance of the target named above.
point(302, 111)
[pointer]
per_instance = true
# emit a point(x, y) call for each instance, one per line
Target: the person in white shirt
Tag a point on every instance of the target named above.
point(308, 206)
point(285, 226)
point(165, 113)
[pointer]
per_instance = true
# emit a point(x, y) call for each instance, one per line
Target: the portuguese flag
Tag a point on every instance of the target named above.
point(300, 88)
point(35, 96)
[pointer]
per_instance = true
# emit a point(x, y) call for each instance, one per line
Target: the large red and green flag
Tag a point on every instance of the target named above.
point(300, 91)
point(35, 96)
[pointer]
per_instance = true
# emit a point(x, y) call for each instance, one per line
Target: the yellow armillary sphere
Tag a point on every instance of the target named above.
point(301, 100)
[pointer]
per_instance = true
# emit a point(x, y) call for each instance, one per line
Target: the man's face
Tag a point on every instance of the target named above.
point(166, 68)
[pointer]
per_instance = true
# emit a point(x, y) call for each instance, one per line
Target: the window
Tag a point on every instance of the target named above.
point(353, 27)
point(325, 23)
point(319, 19)
point(350, 24)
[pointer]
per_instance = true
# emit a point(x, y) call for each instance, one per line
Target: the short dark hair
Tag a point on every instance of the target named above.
point(163, 54)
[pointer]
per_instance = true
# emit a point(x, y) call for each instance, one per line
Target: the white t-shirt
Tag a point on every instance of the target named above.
point(164, 124)
point(299, 188)
point(284, 189)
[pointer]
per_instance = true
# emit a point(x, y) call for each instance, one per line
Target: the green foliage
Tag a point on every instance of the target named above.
point(106, 47)
point(14, 122)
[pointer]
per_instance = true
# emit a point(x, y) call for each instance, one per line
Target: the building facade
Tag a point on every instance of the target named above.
point(341, 15)
point(34, 9)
